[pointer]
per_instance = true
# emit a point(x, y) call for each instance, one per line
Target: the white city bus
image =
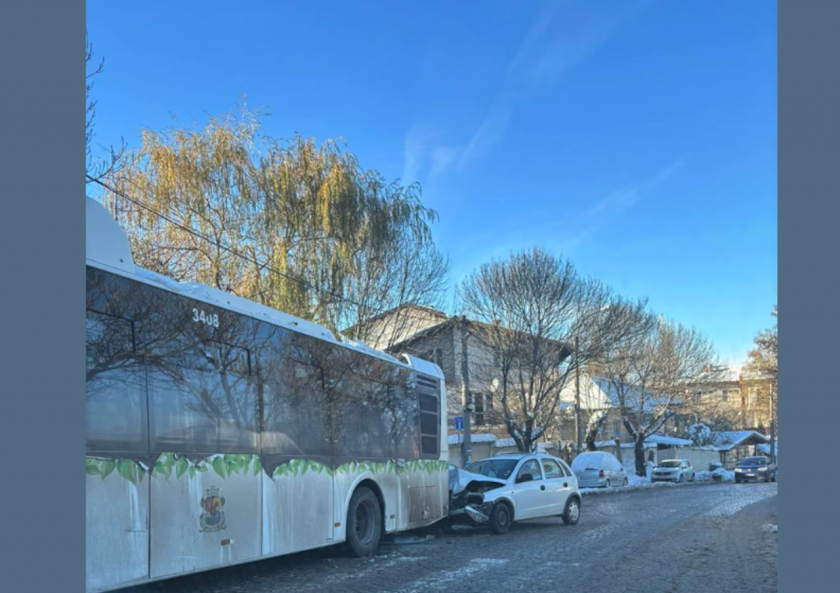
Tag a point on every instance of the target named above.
point(220, 431)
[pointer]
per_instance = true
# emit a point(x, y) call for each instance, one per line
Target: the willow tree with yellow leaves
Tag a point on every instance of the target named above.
point(296, 225)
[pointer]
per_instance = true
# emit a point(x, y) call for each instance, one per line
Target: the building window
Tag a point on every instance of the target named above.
point(724, 395)
point(478, 408)
point(434, 355)
point(616, 428)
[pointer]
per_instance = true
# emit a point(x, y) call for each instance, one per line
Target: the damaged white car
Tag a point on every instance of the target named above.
point(507, 488)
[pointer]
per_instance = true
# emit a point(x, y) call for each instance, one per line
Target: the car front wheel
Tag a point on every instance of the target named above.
point(572, 513)
point(500, 518)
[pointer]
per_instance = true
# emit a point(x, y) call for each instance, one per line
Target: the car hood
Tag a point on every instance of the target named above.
point(459, 479)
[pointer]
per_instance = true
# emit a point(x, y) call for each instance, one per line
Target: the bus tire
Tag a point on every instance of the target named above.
point(364, 522)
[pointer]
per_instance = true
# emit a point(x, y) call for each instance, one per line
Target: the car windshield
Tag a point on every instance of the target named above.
point(493, 468)
point(672, 463)
point(753, 462)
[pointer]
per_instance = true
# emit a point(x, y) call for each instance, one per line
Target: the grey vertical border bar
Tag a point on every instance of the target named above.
point(42, 418)
point(809, 217)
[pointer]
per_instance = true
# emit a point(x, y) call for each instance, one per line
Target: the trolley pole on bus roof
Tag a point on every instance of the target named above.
point(466, 398)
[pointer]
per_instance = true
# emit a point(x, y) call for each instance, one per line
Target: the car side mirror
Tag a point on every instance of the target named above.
point(525, 478)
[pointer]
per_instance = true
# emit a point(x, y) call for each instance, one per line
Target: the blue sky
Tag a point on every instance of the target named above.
point(637, 138)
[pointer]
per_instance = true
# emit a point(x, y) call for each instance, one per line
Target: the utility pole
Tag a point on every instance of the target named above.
point(772, 422)
point(578, 427)
point(466, 397)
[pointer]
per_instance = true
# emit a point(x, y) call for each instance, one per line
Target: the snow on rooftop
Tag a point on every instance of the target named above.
point(498, 442)
point(650, 441)
point(457, 439)
point(661, 439)
point(507, 442)
point(724, 441)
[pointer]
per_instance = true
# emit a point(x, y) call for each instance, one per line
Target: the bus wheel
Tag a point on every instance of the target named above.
point(364, 522)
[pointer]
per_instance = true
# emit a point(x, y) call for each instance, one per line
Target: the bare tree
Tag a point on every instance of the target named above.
point(596, 421)
point(531, 308)
point(764, 362)
point(414, 272)
point(653, 375)
point(95, 167)
point(764, 358)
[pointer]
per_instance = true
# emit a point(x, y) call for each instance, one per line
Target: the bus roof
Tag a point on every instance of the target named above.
point(107, 247)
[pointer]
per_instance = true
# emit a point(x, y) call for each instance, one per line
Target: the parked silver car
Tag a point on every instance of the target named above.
point(673, 470)
point(596, 469)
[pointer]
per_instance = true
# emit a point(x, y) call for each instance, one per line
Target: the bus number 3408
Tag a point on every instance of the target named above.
point(205, 318)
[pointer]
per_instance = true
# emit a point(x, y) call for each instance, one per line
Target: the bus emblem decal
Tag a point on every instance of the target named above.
point(212, 511)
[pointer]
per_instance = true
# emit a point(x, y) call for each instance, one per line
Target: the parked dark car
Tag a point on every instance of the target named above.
point(760, 469)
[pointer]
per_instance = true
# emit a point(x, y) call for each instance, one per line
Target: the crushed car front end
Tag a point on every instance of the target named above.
point(472, 497)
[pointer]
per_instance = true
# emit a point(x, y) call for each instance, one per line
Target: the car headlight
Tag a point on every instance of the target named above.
point(762, 469)
point(738, 470)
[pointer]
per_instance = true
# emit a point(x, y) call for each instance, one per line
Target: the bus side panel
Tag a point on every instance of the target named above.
point(298, 508)
point(425, 494)
point(437, 498)
point(116, 530)
point(414, 488)
point(389, 484)
point(205, 519)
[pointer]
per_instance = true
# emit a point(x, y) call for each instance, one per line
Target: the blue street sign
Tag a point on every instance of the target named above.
point(459, 422)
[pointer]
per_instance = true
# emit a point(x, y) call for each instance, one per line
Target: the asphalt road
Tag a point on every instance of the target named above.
point(695, 538)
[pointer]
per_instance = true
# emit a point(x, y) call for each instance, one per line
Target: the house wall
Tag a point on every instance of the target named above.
point(627, 455)
point(393, 328)
point(719, 401)
point(755, 404)
point(701, 459)
point(445, 347)
point(479, 451)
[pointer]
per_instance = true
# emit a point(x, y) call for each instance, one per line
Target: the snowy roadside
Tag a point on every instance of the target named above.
point(639, 483)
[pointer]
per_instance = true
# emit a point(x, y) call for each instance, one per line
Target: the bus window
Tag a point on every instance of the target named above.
point(428, 391)
point(202, 393)
point(295, 421)
point(115, 398)
point(406, 410)
point(360, 422)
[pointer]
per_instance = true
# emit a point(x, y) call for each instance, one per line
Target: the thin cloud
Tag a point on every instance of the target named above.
point(558, 40)
point(574, 232)
point(489, 133)
point(628, 196)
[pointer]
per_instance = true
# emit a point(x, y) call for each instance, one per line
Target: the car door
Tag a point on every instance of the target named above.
point(619, 474)
point(689, 470)
point(611, 469)
point(529, 494)
point(557, 487)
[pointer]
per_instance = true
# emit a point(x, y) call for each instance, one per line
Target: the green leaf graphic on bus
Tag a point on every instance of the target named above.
point(229, 465)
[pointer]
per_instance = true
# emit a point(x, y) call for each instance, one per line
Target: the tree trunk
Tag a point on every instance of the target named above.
point(639, 450)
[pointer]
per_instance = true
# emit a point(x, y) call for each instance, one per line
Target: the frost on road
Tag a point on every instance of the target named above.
point(660, 540)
